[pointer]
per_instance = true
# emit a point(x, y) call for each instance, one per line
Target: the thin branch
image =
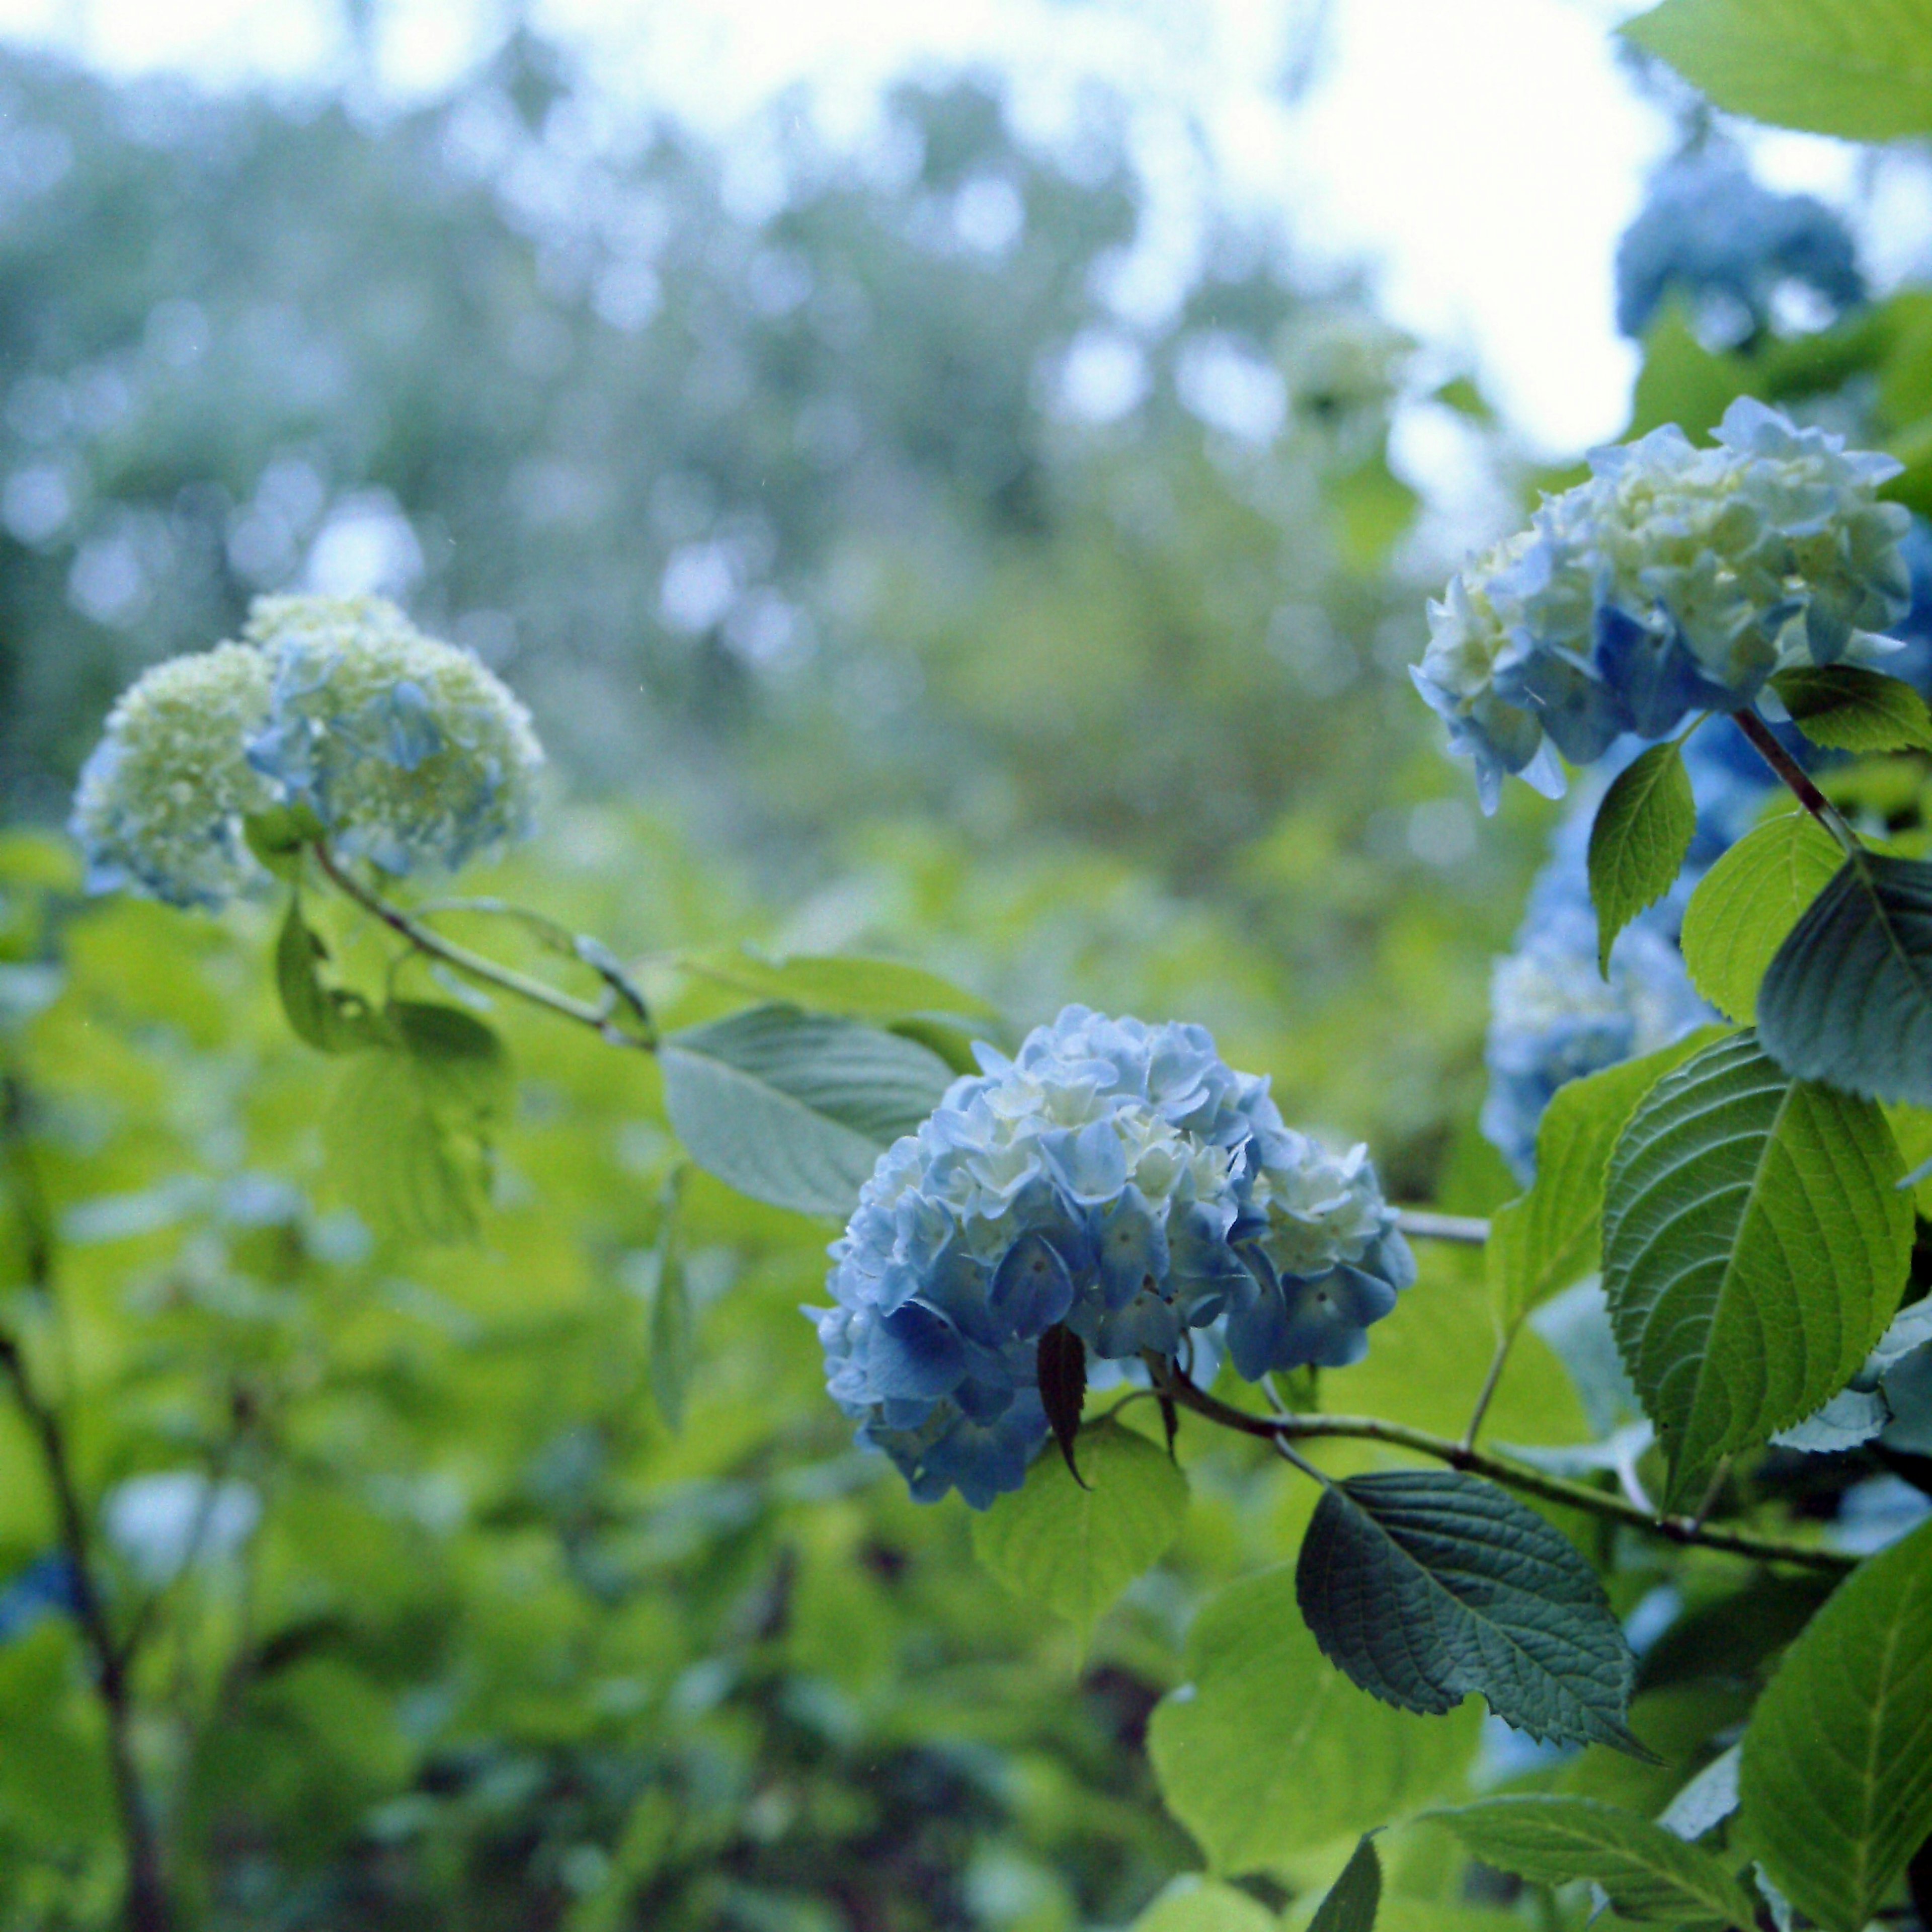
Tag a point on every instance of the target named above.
point(1794, 777)
point(1487, 1393)
point(1469, 1230)
point(1499, 1469)
point(425, 939)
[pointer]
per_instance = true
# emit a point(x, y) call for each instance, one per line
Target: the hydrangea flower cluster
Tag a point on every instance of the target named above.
point(408, 751)
point(1120, 1178)
point(1675, 579)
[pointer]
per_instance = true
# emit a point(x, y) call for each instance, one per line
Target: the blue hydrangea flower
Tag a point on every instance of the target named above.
point(1710, 233)
point(1120, 1178)
point(161, 801)
point(409, 751)
point(1675, 579)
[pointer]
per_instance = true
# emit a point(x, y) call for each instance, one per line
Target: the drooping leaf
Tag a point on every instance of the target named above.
point(1858, 68)
point(672, 1329)
point(1638, 840)
point(1754, 1249)
point(1748, 902)
point(860, 989)
point(795, 1109)
point(1836, 1777)
point(464, 1058)
point(1847, 708)
point(1542, 1241)
point(329, 1018)
point(1072, 1547)
point(1649, 1873)
point(1191, 1904)
point(1061, 1363)
point(397, 1152)
point(1268, 1751)
point(1427, 1585)
point(1353, 1899)
point(1848, 997)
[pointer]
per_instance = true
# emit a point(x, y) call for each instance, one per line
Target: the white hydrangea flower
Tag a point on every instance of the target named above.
point(161, 802)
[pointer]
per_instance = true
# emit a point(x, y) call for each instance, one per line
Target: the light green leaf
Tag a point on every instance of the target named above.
point(1754, 1249)
point(1859, 68)
point(1542, 1241)
point(1353, 1898)
point(1747, 902)
point(795, 1109)
point(837, 983)
point(1847, 708)
point(1426, 1586)
point(1638, 840)
point(1074, 1550)
point(1837, 1778)
point(1191, 1904)
point(329, 1018)
point(1649, 1873)
point(1848, 997)
point(1269, 1751)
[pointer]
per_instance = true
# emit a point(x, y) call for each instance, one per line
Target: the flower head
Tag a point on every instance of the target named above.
point(161, 801)
point(409, 751)
point(1117, 1177)
point(1675, 579)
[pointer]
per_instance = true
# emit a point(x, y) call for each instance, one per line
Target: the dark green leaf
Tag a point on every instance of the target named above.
point(1746, 903)
point(1426, 1584)
point(795, 1109)
point(1638, 840)
point(1836, 1777)
point(1061, 1362)
point(1545, 1240)
point(1858, 68)
point(1848, 998)
point(1754, 1249)
point(329, 1018)
point(1268, 1751)
point(1353, 1898)
point(464, 1058)
point(1649, 1873)
point(1847, 708)
point(1073, 1546)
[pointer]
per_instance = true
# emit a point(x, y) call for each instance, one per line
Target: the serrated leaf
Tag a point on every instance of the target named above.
point(1754, 1249)
point(1074, 1549)
point(795, 1109)
point(1192, 1904)
point(1427, 1585)
point(1858, 68)
point(1747, 902)
point(1353, 1899)
point(1847, 708)
point(1542, 1241)
point(1638, 840)
point(1060, 1367)
point(860, 989)
point(329, 1018)
point(1268, 1751)
point(1848, 997)
point(1649, 1873)
point(1836, 1777)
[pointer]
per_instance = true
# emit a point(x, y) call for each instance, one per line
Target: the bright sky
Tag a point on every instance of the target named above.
point(1483, 156)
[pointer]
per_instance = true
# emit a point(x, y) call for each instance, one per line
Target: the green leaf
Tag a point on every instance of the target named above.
point(1352, 1899)
point(672, 1331)
point(277, 837)
point(837, 983)
point(464, 1059)
point(1191, 1904)
point(1858, 68)
point(397, 1152)
point(1848, 997)
point(1836, 1777)
point(794, 1108)
point(1074, 1549)
point(329, 1018)
point(1427, 1585)
point(1268, 1752)
point(1638, 840)
point(1542, 1241)
point(1649, 1873)
point(1746, 903)
point(1754, 1249)
point(1847, 708)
